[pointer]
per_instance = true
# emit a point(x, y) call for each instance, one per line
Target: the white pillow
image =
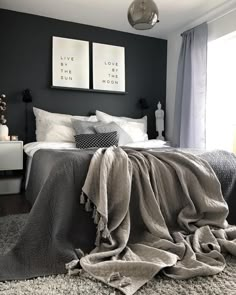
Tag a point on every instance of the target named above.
point(46, 122)
point(101, 116)
point(59, 133)
point(136, 128)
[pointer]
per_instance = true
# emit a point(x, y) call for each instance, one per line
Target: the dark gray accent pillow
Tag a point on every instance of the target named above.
point(84, 127)
point(84, 141)
point(123, 136)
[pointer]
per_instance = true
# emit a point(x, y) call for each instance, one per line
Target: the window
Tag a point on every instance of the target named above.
point(221, 94)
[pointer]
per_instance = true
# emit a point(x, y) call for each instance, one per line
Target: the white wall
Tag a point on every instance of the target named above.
point(222, 26)
point(224, 22)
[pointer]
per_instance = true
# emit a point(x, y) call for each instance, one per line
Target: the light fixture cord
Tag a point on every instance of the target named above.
point(26, 122)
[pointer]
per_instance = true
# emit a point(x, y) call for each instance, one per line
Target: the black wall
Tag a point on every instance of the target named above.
point(26, 62)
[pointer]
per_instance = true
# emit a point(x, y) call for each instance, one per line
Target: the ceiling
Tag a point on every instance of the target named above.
point(112, 14)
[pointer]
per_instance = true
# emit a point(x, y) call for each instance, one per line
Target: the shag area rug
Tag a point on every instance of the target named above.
point(10, 227)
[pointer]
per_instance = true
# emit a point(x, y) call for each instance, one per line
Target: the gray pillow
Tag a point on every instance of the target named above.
point(123, 136)
point(84, 127)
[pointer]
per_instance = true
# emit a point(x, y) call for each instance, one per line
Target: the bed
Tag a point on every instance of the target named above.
point(55, 131)
point(65, 225)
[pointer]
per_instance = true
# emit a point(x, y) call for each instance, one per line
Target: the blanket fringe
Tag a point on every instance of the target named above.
point(101, 224)
point(94, 212)
point(121, 280)
point(96, 217)
point(106, 233)
point(102, 229)
point(80, 253)
point(115, 276)
point(125, 282)
point(88, 207)
point(72, 264)
point(98, 238)
point(74, 272)
point(73, 267)
point(82, 198)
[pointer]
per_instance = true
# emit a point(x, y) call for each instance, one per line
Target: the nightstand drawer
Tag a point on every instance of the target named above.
point(10, 185)
point(11, 155)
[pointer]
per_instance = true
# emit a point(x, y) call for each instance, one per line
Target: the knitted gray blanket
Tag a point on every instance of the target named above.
point(154, 211)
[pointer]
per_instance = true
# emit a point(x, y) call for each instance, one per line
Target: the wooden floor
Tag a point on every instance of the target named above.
point(13, 204)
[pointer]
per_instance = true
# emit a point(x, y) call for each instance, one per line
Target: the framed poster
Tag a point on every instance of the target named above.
point(108, 67)
point(70, 63)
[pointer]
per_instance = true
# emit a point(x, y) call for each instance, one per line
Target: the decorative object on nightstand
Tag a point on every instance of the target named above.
point(14, 138)
point(26, 98)
point(11, 165)
point(159, 114)
point(3, 128)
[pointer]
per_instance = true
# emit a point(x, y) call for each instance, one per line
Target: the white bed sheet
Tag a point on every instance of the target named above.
point(149, 144)
point(32, 147)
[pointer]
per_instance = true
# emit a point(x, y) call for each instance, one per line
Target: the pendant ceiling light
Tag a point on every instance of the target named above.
point(143, 14)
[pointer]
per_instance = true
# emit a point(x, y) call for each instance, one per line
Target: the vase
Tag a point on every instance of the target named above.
point(4, 131)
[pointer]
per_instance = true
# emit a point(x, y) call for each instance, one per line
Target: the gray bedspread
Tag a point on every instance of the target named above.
point(224, 165)
point(58, 225)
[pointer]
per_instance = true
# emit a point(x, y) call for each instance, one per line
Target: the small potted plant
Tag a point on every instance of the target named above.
point(3, 127)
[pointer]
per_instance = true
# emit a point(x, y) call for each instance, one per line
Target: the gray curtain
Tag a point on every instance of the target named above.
point(190, 101)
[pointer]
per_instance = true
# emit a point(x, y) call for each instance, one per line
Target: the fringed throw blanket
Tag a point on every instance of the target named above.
point(151, 211)
point(154, 211)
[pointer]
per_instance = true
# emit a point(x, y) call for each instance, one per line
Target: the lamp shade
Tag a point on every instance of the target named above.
point(26, 96)
point(143, 14)
point(143, 103)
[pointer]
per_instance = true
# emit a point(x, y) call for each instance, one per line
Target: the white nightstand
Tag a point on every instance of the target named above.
point(11, 164)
